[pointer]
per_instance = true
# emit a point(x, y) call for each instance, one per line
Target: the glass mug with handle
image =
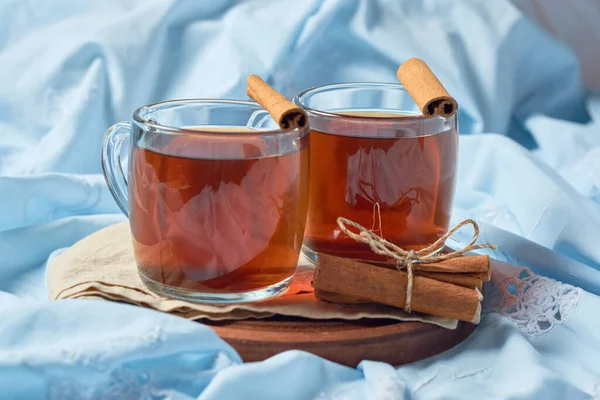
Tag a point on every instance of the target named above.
point(216, 194)
point(376, 160)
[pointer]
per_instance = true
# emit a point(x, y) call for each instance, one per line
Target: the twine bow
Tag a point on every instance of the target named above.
point(407, 259)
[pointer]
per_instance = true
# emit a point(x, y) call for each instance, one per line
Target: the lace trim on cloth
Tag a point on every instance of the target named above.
point(535, 303)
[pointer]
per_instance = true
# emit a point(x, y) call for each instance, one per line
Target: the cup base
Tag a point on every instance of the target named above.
point(216, 298)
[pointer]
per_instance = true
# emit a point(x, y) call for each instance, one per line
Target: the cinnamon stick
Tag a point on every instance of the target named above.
point(464, 264)
point(284, 112)
point(426, 89)
point(460, 265)
point(464, 280)
point(350, 278)
point(471, 280)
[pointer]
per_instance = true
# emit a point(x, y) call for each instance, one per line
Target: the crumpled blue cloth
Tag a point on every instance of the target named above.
point(529, 172)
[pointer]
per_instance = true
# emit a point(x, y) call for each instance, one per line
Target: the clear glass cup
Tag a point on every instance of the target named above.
point(216, 194)
point(376, 160)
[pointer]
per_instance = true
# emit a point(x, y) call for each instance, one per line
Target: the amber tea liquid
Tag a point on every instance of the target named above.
point(406, 183)
point(233, 224)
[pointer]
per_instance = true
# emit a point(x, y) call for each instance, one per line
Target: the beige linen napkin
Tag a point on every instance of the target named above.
point(102, 266)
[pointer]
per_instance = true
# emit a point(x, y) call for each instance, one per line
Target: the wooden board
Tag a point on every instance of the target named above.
point(344, 342)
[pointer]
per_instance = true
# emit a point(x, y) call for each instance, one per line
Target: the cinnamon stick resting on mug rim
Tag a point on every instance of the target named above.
point(284, 112)
point(426, 89)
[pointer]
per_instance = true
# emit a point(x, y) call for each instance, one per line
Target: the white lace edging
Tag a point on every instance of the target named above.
point(535, 303)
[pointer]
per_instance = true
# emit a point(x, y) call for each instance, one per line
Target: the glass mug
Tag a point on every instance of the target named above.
point(376, 160)
point(216, 194)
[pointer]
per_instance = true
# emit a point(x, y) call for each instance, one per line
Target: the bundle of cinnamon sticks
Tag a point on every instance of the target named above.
point(450, 288)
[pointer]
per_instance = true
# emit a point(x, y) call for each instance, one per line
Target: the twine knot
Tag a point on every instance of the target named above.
point(409, 259)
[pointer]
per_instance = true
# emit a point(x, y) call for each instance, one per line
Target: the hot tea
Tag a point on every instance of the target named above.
point(234, 223)
point(389, 176)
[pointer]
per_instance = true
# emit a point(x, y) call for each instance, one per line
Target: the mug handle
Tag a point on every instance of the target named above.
point(111, 163)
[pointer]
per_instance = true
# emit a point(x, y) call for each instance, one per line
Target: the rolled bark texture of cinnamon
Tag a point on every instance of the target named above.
point(284, 112)
point(426, 89)
point(469, 271)
point(342, 280)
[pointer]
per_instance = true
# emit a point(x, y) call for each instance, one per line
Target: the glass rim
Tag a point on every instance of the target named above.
point(357, 85)
point(163, 105)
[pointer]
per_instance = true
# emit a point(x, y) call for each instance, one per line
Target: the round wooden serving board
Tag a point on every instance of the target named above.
point(344, 342)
